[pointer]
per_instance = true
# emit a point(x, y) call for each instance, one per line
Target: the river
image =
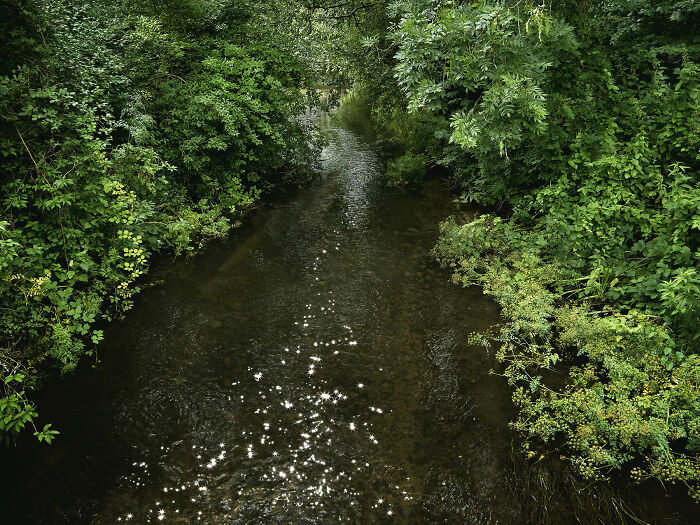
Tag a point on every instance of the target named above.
point(311, 369)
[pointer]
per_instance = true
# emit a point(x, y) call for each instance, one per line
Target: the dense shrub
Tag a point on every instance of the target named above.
point(632, 402)
point(409, 168)
point(581, 122)
point(125, 130)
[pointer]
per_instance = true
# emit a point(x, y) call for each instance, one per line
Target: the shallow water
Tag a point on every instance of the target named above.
point(312, 369)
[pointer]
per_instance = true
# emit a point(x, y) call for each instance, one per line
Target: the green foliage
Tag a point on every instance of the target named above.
point(581, 121)
point(601, 264)
point(486, 67)
point(126, 132)
point(407, 169)
point(15, 410)
point(635, 400)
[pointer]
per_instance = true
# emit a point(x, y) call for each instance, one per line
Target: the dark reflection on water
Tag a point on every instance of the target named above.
point(313, 369)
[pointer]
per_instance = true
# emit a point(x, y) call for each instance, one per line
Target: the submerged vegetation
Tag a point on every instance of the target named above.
point(576, 125)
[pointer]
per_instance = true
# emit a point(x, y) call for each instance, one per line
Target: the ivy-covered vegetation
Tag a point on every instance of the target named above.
point(128, 129)
point(576, 126)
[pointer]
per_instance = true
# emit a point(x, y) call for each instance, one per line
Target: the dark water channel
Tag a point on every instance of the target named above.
point(312, 369)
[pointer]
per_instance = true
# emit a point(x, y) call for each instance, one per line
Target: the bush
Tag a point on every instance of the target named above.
point(408, 169)
point(634, 403)
point(125, 132)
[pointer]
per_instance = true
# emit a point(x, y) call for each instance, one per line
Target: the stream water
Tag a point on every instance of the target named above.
point(312, 369)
